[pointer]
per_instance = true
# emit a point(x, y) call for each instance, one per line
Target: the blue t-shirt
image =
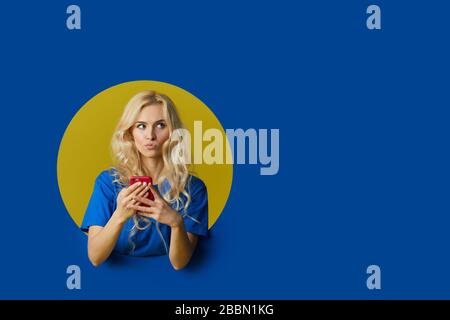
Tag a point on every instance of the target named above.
point(154, 240)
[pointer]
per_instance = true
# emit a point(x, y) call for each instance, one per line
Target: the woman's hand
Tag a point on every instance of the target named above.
point(127, 197)
point(159, 209)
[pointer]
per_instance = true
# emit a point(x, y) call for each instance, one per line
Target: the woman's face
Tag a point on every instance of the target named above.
point(150, 131)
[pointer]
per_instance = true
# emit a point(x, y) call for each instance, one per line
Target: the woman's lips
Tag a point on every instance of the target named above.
point(150, 146)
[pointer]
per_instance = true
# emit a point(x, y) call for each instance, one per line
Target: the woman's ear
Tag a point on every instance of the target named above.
point(128, 134)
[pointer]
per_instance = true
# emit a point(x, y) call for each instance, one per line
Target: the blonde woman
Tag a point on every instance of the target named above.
point(120, 217)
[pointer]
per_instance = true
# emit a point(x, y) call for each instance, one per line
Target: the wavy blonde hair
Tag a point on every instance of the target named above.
point(127, 159)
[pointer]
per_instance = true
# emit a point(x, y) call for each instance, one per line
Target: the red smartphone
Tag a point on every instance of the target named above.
point(147, 179)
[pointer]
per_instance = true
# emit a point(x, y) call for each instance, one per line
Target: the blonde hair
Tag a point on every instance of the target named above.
point(127, 159)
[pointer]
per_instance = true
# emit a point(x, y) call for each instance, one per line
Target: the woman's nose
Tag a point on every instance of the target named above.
point(151, 134)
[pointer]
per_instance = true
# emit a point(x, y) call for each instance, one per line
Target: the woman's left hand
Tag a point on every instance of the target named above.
point(158, 209)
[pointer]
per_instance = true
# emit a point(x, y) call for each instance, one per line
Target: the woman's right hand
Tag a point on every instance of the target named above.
point(126, 197)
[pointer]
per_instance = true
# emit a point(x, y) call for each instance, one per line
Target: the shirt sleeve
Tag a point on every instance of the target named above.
point(196, 215)
point(99, 209)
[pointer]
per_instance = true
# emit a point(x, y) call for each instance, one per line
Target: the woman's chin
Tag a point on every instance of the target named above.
point(151, 154)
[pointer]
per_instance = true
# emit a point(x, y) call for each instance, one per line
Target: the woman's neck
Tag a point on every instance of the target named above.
point(154, 166)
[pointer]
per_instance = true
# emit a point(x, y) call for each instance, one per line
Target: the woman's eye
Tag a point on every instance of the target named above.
point(140, 126)
point(161, 125)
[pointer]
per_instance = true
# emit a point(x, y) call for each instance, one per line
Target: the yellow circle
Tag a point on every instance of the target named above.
point(85, 147)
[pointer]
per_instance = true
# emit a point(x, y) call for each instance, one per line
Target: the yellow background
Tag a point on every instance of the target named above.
point(85, 148)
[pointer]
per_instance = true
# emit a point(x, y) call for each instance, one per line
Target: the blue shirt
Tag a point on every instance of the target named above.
point(156, 239)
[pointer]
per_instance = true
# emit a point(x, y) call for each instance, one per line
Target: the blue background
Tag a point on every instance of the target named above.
point(364, 159)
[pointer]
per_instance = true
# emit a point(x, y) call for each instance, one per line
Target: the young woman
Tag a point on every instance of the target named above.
point(120, 217)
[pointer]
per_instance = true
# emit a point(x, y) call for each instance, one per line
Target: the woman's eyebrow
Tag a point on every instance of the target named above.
point(147, 122)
